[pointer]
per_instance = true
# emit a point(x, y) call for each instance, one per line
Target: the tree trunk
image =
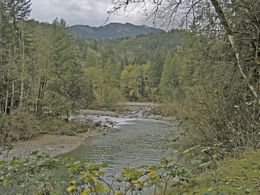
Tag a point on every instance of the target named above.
point(233, 44)
point(21, 94)
point(13, 93)
point(6, 101)
point(38, 96)
point(41, 91)
point(23, 69)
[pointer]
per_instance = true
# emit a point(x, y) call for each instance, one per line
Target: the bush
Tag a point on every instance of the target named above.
point(22, 126)
point(18, 126)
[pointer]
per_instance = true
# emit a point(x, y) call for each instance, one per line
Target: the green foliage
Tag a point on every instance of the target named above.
point(18, 126)
point(93, 58)
point(83, 177)
point(157, 63)
point(88, 175)
point(201, 81)
point(24, 126)
point(105, 88)
point(40, 69)
point(104, 77)
point(234, 176)
point(14, 54)
point(168, 81)
point(38, 175)
point(136, 82)
point(204, 91)
point(112, 56)
point(65, 89)
point(24, 176)
point(112, 70)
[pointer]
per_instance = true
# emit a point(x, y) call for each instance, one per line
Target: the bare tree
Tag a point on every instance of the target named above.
point(219, 13)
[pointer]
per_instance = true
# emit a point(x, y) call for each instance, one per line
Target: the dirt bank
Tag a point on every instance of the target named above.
point(52, 145)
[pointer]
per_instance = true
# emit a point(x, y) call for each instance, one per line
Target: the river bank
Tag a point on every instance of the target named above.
point(233, 176)
point(50, 144)
point(60, 138)
point(45, 134)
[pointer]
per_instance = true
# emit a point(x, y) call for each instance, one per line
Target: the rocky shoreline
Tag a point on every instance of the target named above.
point(55, 145)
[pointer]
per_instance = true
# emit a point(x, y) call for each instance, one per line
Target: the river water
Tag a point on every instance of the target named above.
point(132, 142)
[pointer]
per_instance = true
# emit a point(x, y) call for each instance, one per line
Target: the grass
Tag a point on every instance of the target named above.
point(22, 126)
point(234, 176)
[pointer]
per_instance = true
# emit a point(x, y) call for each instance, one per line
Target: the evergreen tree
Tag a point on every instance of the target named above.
point(167, 81)
point(93, 58)
point(64, 90)
point(157, 67)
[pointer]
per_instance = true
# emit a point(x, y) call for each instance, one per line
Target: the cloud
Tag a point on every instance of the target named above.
point(89, 12)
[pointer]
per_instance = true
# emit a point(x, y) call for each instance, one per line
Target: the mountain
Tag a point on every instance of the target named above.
point(110, 31)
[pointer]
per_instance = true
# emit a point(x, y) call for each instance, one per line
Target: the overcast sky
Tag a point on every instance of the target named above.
point(89, 12)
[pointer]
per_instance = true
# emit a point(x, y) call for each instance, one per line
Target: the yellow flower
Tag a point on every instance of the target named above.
point(152, 173)
point(169, 159)
point(86, 192)
point(71, 189)
point(73, 182)
point(117, 193)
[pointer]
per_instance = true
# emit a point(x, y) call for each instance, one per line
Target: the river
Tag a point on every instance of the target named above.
point(131, 142)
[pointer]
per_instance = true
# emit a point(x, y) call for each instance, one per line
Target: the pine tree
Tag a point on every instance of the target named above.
point(65, 75)
point(167, 80)
point(157, 67)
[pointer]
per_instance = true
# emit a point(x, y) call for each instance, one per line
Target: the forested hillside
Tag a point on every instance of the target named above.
point(136, 63)
point(110, 31)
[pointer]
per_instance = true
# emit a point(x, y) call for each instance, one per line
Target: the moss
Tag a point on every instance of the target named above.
point(234, 176)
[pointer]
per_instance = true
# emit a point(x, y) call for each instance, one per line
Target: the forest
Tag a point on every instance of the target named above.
point(205, 73)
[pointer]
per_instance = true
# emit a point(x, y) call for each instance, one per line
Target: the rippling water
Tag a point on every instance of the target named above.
point(132, 143)
point(136, 143)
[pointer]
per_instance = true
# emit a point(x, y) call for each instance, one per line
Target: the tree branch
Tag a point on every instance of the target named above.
point(233, 44)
